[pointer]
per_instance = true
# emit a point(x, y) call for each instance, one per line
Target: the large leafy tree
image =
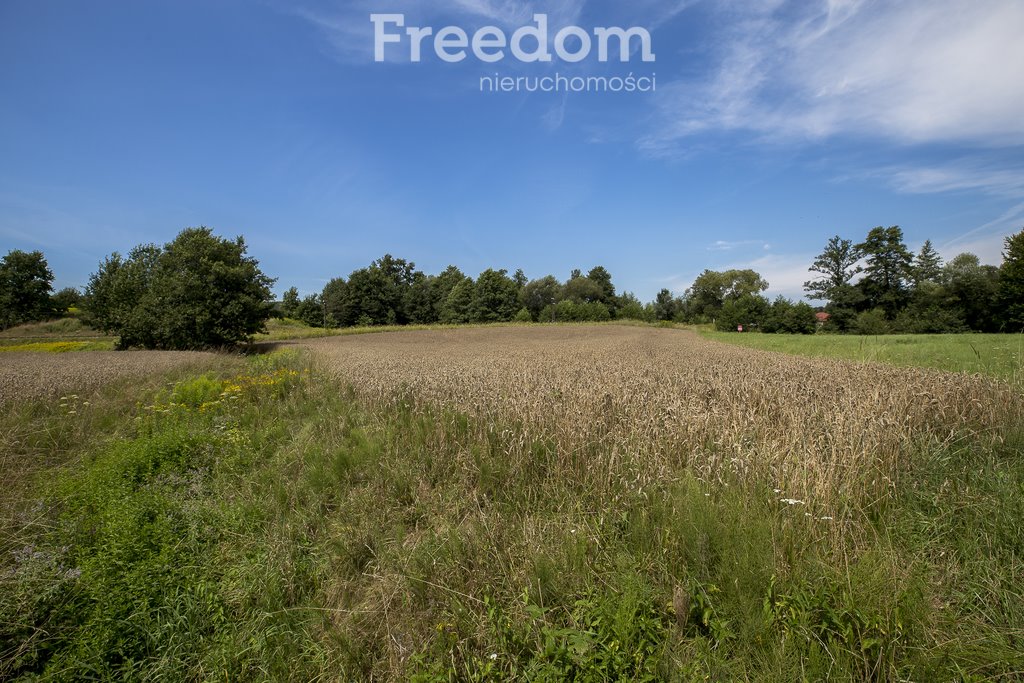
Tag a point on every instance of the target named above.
point(459, 306)
point(496, 297)
point(971, 291)
point(116, 292)
point(198, 291)
point(889, 266)
point(711, 289)
point(25, 285)
point(666, 306)
point(290, 302)
point(836, 266)
point(333, 297)
point(539, 294)
point(1011, 283)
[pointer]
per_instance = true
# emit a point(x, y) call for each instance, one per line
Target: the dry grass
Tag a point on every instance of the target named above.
point(823, 430)
point(25, 375)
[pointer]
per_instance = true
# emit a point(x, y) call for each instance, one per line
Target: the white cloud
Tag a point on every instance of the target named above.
point(945, 70)
point(724, 245)
point(785, 273)
point(957, 177)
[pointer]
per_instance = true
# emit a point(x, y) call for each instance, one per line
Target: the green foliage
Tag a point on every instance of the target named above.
point(927, 266)
point(666, 306)
point(198, 291)
point(65, 300)
point(836, 266)
point(748, 310)
point(711, 290)
point(311, 311)
point(25, 285)
point(458, 307)
point(539, 294)
point(333, 297)
point(568, 310)
point(523, 316)
point(603, 636)
point(1011, 283)
point(871, 322)
point(290, 302)
point(787, 317)
point(889, 267)
point(495, 297)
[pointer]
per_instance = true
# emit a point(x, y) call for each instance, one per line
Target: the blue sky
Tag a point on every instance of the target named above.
point(774, 125)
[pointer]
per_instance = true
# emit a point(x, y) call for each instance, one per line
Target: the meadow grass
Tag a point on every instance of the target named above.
point(996, 355)
point(262, 522)
point(11, 345)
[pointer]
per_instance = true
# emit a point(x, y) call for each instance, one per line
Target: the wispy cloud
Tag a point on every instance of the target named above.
point(946, 70)
point(957, 177)
point(724, 245)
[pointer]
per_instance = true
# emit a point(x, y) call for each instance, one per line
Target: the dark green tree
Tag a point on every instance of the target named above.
point(333, 296)
point(520, 278)
point(973, 291)
point(198, 291)
point(496, 297)
point(66, 299)
point(25, 285)
point(539, 294)
point(582, 290)
point(311, 311)
point(666, 306)
point(290, 302)
point(836, 266)
point(927, 264)
point(459, 307)
point(709, 292)
point(603, 278)
point(116, 292)
point(442, 287)
point(420, 305)
point(1011, 283)
point(889, 266)
point(747, 309)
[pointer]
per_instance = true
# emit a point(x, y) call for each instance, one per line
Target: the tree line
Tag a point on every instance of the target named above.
point(202, 291)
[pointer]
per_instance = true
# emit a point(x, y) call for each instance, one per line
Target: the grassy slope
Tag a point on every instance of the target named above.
point(260, 524)
point(998, 355)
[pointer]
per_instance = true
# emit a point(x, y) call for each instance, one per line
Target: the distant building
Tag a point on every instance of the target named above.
point(822, 317)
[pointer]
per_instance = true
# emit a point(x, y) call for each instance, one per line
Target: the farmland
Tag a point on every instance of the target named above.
point(512, 503)
point(998, 355)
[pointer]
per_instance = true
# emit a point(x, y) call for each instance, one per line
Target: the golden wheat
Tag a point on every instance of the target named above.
point(819, 429)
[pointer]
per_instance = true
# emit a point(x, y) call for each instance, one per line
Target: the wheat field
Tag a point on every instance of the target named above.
point(820, 429)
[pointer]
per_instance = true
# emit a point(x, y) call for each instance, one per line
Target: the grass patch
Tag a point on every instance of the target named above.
point(70, 328)
point(55, 346)
point(997, 355)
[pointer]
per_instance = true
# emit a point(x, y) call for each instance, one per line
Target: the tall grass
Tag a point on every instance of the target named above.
point(263, 522)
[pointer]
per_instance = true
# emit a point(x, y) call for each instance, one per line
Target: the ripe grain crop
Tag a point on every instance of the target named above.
point(821, 430)
point(25, 376)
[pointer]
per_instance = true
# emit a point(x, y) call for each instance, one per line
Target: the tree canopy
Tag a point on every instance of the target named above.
point(197, 291)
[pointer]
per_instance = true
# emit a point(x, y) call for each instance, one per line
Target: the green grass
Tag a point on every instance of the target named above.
point(258, 523)
point(63, 329)
point(55, 346)
point(997, 355)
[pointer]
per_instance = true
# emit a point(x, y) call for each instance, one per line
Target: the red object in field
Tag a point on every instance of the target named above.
point(739, 328)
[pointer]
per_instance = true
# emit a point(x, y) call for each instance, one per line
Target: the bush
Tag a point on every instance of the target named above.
point(199, 291)
point(871, 322)
point(523, 316)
